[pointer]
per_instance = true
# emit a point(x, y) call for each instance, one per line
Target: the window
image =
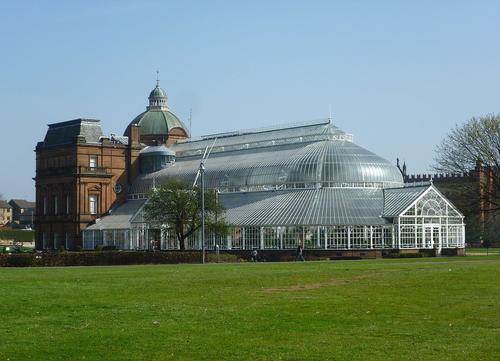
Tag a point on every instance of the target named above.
point(56, 207)
point(68, 204)
point(93, 204)
point(67, 240)
point(93, 161)
point(44, 206)
point(56, 240)
point(44, 240)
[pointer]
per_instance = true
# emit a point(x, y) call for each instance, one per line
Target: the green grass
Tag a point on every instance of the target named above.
point(413, 309)
point(481, 251)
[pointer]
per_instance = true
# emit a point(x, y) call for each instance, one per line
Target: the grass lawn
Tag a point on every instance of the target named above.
point(412, 309)
point(482, 251)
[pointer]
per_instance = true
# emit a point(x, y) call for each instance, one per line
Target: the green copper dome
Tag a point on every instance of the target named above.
point(157, 92)
point(158, 119)
point(157, 122)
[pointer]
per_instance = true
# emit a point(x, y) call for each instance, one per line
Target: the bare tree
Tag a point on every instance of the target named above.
point(475, 145)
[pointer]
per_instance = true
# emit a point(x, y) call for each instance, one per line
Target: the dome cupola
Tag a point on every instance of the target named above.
point(157, 98)
point(158, 125)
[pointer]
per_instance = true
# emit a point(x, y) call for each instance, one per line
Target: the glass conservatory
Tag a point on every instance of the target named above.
point(306, 184)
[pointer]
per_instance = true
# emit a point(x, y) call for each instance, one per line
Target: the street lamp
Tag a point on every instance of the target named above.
point(202, 176)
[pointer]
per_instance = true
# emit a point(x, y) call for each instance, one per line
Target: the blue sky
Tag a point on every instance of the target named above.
point(397, 74)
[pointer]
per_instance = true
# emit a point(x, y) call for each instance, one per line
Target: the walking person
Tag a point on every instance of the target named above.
point(300, 253)
point(254, 255)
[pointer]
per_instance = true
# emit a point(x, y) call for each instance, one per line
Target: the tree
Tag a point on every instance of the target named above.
point(476, 145)
point(175, 206)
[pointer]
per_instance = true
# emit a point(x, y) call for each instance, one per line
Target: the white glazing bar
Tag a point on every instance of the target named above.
point(261, 237)
point(318, 237)
point(349, 237)
point(399, 235)
point(393, 235)
point(416, 232)
point(281, 237)
point(325, 231)
point(243, 237)
point(228, 239)
point(423, 235)
point(463, 233)
point(371, 236)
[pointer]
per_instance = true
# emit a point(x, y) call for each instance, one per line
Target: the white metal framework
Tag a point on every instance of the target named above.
point(429, 222)
point(306, 184)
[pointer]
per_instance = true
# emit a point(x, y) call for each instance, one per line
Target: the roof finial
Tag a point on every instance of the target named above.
point(157, 77)
point(329, 114)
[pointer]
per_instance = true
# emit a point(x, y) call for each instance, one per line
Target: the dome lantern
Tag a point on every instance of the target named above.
point(157, 98)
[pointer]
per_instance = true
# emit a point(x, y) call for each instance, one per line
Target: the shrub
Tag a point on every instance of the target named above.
point(97, 258)
point(222, 258)
point(17, 235)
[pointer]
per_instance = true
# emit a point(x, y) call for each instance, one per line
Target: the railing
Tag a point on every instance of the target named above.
point(93, 171)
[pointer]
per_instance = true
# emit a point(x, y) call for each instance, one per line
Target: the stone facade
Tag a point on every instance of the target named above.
point(80, 175)
point(5, 213)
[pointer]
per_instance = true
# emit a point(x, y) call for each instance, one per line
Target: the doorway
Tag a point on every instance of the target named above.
point(432, 236)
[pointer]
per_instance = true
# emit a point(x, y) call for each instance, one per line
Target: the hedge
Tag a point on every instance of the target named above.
point(104, 258)
point(17, 235)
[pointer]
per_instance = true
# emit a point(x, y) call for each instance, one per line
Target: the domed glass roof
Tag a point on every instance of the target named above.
point(156, 150)
point(302, 157)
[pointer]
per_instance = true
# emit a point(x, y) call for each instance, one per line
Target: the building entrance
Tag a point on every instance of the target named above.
point(432, 236)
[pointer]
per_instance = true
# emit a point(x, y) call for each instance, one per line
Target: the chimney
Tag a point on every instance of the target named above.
point(133, 149)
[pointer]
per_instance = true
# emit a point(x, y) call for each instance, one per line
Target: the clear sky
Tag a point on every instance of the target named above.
point(397, 74)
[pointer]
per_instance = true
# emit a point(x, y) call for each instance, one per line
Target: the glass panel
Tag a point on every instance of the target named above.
point(271, 238)
point(336, 237)
point(252, 237)
point(408, 234)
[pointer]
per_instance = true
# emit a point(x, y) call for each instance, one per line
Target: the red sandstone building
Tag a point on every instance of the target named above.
point(82, 173)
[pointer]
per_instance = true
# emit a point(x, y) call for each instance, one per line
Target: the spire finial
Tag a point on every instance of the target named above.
point(157, 77)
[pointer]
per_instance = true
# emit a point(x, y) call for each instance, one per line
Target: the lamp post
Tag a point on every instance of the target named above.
point(202, 175)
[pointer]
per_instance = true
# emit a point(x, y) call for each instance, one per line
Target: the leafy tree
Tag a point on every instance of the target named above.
point(477, 142)
point(176, 206)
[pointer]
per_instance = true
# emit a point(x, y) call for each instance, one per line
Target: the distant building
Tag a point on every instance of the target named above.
point(471, 193)
point(23, 211)
point(5, 213)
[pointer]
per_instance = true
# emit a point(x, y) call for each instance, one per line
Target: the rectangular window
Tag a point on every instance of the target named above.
point(44, 240)
point(93, 162)
point(68, 205)
point(44, 206)
point(56, 205)
point(56, 240)
point(93, 204)
point(67, 241)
